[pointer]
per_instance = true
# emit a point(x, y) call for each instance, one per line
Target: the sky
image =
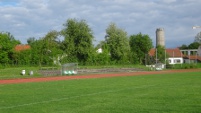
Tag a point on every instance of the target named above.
point(35, 18)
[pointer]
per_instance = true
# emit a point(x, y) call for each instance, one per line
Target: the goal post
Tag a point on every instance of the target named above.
point(69, 69)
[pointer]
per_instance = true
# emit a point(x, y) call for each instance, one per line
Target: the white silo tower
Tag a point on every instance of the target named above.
point(160, 37)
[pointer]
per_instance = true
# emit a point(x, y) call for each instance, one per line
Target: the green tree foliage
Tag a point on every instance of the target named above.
point(44, 50)
point(140, 45)
point(22, 58)
point(149, 60)
point(194, 45)
point(36, 53)
point(104, 57)
point(7, 44)
point(31, 40)
point(184, 46)
point(118, 44)
point(160, 52)
point(78, 41)
point(77, 46)
point(51, 47)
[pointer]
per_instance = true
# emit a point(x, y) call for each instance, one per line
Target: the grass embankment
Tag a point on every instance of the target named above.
point(167, 93)
point(15, 72)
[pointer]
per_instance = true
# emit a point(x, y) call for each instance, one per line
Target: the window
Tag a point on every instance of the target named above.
point(177, 61)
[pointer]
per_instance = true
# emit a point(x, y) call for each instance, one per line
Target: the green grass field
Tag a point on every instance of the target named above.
point(15, 72)
point(167, 93)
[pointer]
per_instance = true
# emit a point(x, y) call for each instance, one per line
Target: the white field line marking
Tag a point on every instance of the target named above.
point(60, 99)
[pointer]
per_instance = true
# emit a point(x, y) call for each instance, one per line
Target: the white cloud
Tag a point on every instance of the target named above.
point(169, 1)
point(34, 18)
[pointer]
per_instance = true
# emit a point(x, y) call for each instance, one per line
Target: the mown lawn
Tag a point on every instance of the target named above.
point(167, 93)
point(15, 72)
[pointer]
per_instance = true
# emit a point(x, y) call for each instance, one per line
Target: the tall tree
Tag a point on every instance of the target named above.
point(160, 54)
point(140, 45)
point(102, 58)
point(31, 40)
point(36, 51)
point(7, 44)
point(118, 43)
point(198, 38)
point(22, 57)
point(45, 49)
point(78, 41)
point(51, 47)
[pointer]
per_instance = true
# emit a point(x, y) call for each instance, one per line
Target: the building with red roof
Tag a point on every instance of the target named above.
point(175, 56)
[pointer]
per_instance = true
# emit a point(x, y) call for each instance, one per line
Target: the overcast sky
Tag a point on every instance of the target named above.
point(34, 18)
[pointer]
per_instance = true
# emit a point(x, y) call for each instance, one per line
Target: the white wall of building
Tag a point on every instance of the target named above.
point(175, 60)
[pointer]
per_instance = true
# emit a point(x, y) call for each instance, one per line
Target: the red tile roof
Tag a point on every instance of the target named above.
point(152, 52)
point(170, 52)
point(22, 47)
point(193, 57)
point(174, 52)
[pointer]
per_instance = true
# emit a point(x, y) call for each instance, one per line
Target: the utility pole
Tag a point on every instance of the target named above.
point(156, 56)
point(165, 59)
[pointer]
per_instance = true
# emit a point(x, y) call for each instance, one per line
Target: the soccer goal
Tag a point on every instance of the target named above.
point(69, 69)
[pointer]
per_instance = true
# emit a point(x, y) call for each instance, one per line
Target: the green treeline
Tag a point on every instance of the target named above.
point(77, 46)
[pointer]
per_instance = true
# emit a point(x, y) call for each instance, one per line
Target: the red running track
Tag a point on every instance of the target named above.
point(57, 78)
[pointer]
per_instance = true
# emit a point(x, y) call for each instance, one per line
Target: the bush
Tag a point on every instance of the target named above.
point(183, 66)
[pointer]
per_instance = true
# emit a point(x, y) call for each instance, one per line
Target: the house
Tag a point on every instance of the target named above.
point(175, 56)
point(99, 50)
point(21, 47)
point(192, 59)
point(192, 55)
